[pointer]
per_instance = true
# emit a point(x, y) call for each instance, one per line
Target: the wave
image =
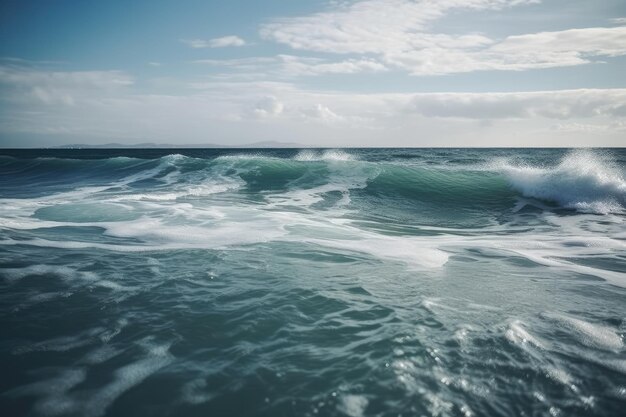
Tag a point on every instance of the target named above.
point(583, 180)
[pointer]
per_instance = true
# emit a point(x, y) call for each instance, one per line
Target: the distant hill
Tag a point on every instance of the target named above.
point(265, 144)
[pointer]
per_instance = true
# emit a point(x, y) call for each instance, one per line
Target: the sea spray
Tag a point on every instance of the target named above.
point(584, 180)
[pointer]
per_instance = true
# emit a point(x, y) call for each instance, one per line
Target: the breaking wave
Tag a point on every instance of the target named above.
point(584, 180)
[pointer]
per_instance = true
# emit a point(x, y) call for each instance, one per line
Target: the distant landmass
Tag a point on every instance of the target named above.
point(265, 144)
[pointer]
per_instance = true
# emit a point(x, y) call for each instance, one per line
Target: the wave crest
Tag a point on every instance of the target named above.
point(326, 155)
point(584, 180)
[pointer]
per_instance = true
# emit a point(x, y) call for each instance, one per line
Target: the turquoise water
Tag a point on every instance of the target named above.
point(361, 282)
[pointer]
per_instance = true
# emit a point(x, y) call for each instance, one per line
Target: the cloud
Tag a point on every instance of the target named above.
point(99, 79)
point(618, 21)
point(398, 34)
point(226, 41)
point(370, 26)
point(107, 104)
point(561, 46)
point(223, 42)
point(239, 63)
point(293, 66)
point(60, 87)
point(320, 112)
point(286, 99)
point(589, 128)
point(561, 105)
point(514, 53)
point(268, 106)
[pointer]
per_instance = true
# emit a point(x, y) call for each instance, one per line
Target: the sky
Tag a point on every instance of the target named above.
point(327, 73)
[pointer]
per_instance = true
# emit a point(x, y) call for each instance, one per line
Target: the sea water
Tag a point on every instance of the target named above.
point(357, 282)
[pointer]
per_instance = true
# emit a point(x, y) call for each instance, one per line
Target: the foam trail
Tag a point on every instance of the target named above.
point(518, 335)
point(589, 334)
point(127, 377)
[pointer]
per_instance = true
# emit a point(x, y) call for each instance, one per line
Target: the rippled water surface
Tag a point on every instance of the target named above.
point(370, 282)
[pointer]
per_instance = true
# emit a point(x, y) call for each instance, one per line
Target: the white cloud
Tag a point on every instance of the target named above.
point(293, 66)
point(223, 42)
point(61, 87)
point(102, 104)
point(618, 21)
point(320, 112)
point(226, 41)
point(268, 106)
point(563, 45)
point(589, 128)
point(99, 79)
point(566, 104)
point(370, 26)
point(516, 53)
point(239, 63)
point(398, 34)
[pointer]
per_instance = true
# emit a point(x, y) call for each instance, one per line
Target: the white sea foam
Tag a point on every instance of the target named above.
point(593, 335)
point(584, 180)
point(107, 335)
point(72, 277)
point(55, 397)
point(66, 380)
point(353, 405)
point(326, 155)
point(250, 227)
point(438, 406)
point(47, 296)
point(165, 222)
point(159, 235)
point(342, 180)
point(53, 393)
point(92, 336)
point(618, 365)
point(243, 156)
point(413, 252)
point(561, 376)
point(184, 226)
point(462, 333)
point(126, 377)
point(100, 355)
point(577, 238)
point(66, 273)
point(195, 392)
point(517, 334)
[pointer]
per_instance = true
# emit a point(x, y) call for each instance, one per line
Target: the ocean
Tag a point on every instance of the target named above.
point(313, 282)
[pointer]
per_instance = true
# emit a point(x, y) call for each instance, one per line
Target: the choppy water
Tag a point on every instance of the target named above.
point(378, 282)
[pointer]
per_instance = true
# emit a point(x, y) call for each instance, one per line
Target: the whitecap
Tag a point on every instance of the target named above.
point(584, 180)
point(353, 405)
point(518, 335)
point(590, 334)
point(325, 155)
